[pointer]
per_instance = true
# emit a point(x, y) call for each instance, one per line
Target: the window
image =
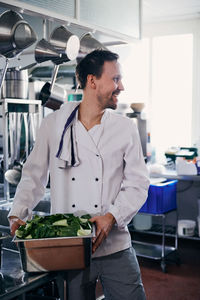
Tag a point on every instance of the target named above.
point(171, 106)
point(158, 71)
point(134, 59)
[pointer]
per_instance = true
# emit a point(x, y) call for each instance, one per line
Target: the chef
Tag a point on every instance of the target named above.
point(96, 166)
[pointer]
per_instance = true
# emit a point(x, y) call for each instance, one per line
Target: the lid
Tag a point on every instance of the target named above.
point(187, 223)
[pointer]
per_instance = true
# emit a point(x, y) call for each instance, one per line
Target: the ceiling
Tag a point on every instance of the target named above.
point(165, 10)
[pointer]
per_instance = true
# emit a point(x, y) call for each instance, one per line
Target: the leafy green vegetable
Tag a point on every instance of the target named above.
point(82, 232)
point(57, 225)
point(60, 223)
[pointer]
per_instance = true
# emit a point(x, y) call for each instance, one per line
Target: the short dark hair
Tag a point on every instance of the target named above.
point(93, 63)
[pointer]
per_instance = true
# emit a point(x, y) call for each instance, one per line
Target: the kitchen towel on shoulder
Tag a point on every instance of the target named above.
point(67, 149)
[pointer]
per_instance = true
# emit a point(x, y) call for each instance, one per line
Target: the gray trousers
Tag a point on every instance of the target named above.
point(119, 274)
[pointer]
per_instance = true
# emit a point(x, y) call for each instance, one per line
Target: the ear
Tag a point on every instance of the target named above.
point(91, 81)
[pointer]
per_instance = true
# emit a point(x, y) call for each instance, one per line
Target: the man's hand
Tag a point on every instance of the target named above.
point(103, 227)
point(15, 222)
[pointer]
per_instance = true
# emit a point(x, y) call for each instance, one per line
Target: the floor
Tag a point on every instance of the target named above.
point(180, 282)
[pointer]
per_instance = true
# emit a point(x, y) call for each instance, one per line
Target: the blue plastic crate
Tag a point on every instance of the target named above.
point(161, 198)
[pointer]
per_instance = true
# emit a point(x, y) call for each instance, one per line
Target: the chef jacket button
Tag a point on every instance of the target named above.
point(73, 205)
point(97, 155)
point(96, 205)
point(96, 179)
point(73, 178)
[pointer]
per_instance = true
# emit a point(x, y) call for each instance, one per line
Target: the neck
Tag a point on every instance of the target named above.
point(89, 113)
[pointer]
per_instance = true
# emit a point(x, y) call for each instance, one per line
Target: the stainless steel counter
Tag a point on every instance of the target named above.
point(171, 174)
point(14, 282)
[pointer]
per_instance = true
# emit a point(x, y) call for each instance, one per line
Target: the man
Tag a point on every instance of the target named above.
point(96, 166)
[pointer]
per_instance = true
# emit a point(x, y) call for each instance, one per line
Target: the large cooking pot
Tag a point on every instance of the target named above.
point(65, 43)
point(87, 44)
point(15, 84)
point(15, 34)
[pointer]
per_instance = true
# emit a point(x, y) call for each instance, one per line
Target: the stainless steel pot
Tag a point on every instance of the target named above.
point(15, 84)
point(44, 51)
point(52, 97)
point(66, 43)
point(15, 34)
point(87, 44)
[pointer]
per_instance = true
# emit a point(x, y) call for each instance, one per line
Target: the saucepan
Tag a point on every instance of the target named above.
point(87, 44)
point(52, 97)
point(62, 47)
point(51, 94)
point(44, 51)
point(66, 43)
point(15, 34)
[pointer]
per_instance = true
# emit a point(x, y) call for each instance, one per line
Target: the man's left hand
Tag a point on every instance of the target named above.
point(103, 226)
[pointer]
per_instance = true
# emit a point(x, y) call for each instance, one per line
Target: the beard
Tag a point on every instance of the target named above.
point(109, 101)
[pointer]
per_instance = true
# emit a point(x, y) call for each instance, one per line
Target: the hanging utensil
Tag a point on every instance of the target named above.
point(66, 43)
point(87, 44)
point(12, 122)
point(26, 127)
point(18, 135)
point(4, 73)
point(44, 51)
point(15, 34)
point(32, 129)
point(13, 175)
point(52, 95)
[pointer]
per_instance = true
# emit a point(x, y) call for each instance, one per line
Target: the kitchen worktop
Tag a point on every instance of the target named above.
point(172, 174)
point(13, 281)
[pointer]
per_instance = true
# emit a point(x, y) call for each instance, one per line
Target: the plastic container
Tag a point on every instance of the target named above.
point(142, 222)
point(186, 227)
point(161, 198)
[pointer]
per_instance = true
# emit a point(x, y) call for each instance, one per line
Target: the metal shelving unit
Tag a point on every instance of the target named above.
point(157, 252)
point(15, 105)
point(172, 175)
point(170, 231)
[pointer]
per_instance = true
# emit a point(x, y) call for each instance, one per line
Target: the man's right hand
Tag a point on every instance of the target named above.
point(15, 222)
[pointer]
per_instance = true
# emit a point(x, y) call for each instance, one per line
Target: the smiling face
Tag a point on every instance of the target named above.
point(109, 85)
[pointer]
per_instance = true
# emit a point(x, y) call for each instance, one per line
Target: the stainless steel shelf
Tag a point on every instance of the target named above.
point(154, 251)
point(170, 231)
point(149, 250)
point(172, 174)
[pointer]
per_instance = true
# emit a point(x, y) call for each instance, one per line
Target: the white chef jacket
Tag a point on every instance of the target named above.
point(110, 176)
